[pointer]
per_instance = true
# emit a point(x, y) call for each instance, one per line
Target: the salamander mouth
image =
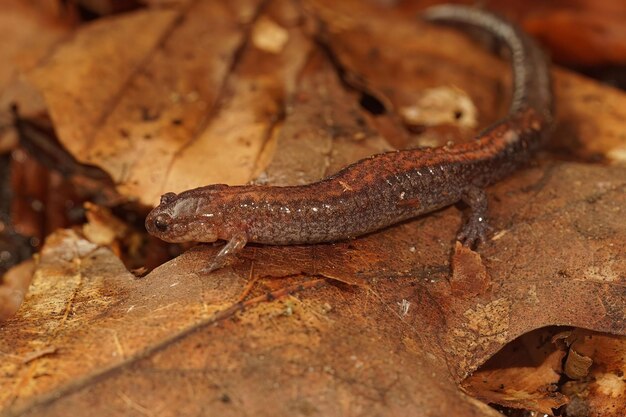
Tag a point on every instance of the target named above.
point(178, 231)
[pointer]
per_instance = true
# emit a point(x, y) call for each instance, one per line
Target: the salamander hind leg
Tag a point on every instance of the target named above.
point(475, 228)
point(234, 246)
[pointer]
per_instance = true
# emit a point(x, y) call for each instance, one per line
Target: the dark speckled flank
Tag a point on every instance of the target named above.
point(386, 188)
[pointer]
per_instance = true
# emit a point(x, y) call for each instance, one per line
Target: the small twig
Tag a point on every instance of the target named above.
point(50, 350)
point(282, 292)
point(252, 280)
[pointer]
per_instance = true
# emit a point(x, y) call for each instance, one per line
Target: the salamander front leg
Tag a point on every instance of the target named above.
point(234, 246)
point(475, 228)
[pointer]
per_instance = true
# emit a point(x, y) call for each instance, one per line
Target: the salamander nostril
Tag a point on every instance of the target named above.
point(161, 224)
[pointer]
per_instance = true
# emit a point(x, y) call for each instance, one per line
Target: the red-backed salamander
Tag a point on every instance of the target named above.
point(383, 189)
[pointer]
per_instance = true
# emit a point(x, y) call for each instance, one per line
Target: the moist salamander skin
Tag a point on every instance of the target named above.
point(383, 189)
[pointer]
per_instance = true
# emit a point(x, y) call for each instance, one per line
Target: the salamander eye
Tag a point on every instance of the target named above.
point(167, 198)
point(161, 223)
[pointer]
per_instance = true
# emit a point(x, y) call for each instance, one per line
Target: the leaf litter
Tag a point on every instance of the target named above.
point(388, 323)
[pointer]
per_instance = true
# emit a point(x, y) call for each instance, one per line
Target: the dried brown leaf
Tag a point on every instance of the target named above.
point(28, 30)
point(191, 86)
point(414, 321)
point(399, 341)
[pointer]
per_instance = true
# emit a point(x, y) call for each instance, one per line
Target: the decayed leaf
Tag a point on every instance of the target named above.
point(397, 322)
point(601, 391)
point(577, 365)
point(13, 288)
point(102, 228)
point(522, 375)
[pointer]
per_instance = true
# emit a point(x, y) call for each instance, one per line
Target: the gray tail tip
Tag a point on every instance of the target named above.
point(450, 12)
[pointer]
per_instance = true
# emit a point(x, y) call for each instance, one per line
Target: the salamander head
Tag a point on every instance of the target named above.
point(184, 218)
